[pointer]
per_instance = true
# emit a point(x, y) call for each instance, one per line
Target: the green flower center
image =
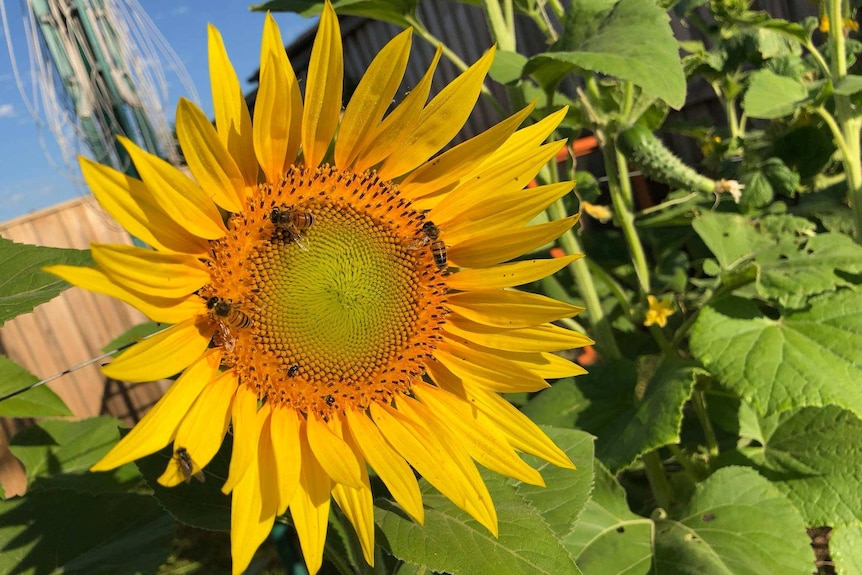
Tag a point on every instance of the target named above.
point(338, 298)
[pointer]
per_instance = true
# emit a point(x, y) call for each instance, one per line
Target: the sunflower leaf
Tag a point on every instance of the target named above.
point(814, 456)
point(38, 402)
point(23, 284)
point(611, 38)
point(67, 531)
point(451, 541)
point(805, 358)
point(59, 454)
point(609, 539)
point(398, 12)
point(604, 403)
point(845, 546)
point(736, 522)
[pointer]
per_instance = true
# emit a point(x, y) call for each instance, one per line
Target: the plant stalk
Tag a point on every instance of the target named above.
point(661, 489)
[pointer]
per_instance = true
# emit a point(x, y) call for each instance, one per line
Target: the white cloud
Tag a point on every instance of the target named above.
point(7, 111)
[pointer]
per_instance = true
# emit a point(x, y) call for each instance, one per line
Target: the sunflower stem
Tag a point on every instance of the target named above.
point(659, 485)
point(694, 472)
point(621, 197)
point(698, 400)
point(605, 340)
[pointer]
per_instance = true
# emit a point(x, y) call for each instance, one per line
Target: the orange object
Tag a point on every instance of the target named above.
point(589, 356)
point(558, 253)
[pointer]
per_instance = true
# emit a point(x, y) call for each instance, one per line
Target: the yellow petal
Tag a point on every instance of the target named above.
point(372, 98)
point(157, 309)
point(520, 432)
point(423, 451)
point(525, 139)
point(246, 436)
point(492, 248)
point(483, 442)
point(130, 203)
point(539, 338)
point(503, 211)
point(478, 502)
point(310, 507)
point(323, 90)
point(357, 506)
point(507, 275)
point(272, 119)
point(509, 308)
point(389, 466)
point(442, 118)
point(389, 136)
point(159, 425)
point(176, 193)
point(232, 119)
point(446, 170)
point(249, 526)
point(547, 365)
point(487, 370)
point(164, 354)
point(284, 429)
point(209, 161)
point(202, 430)
point(484, 186)
point(266, 464)
point(160, 274)
point(333, 454)
point(291, 99)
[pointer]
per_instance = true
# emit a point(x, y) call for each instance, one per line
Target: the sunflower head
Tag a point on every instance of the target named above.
point(340, 301)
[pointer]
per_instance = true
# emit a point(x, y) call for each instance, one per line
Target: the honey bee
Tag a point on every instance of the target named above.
point(186, 465)
point(431, 238)
point(291, 222)
point(228, 316)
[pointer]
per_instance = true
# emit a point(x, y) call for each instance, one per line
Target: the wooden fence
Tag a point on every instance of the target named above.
point(70, 329)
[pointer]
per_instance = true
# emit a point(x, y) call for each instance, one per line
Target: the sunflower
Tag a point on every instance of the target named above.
point(337, 292)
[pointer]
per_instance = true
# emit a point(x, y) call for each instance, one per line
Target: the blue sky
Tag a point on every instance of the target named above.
point(28, 179)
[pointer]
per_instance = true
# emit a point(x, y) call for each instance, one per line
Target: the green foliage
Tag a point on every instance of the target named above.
point(24, 284)
point(533, 522)
point(611, 37)
point(399, 12)
point(798, 359)
point(736, 522)
point(38, 402)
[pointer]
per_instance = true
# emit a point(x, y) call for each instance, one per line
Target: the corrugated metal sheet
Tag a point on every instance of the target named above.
point(71, 328)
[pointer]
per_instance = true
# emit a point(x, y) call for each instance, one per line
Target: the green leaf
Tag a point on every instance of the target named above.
point(736, 522)
point(630, 39)
point(849, 85)
point(772, 96)
point(507, 66)
point(790, 270)
point(811, 357)
point(845, 546)
point(201, 505)
point(60, 453)
point(65, 531)
point(731, 237)
point(398, 12)
point(452, 542)
point(609, 539)
point(38, 402)
point(814, 456)
point(757, 193)
point(627, 420)
point(23, 284)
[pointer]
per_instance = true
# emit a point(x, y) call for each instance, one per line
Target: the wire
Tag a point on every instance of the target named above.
point(77, 367)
